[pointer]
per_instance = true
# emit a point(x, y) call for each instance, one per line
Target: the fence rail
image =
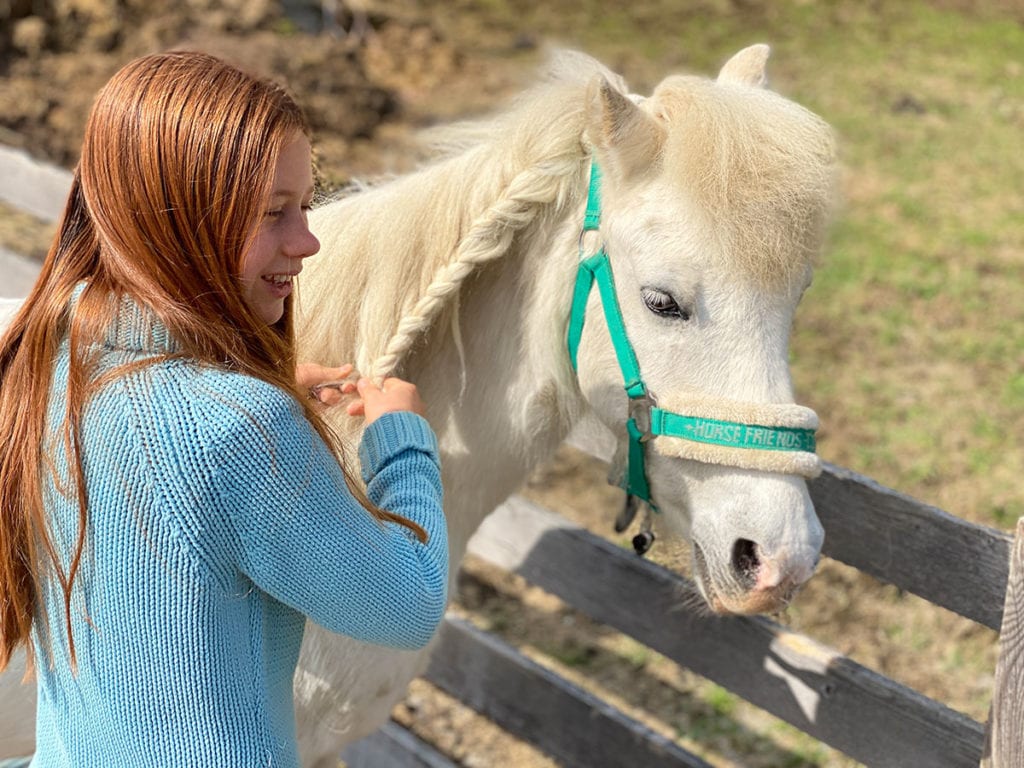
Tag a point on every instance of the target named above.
point(950, 562)
point(852, 708)
point(867, 716)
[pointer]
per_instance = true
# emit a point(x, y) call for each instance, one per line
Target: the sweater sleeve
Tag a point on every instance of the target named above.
point(303, 538)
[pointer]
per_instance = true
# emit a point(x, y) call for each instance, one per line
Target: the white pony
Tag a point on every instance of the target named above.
point(460, 277)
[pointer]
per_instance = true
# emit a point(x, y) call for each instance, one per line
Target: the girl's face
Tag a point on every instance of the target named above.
point(282, 239)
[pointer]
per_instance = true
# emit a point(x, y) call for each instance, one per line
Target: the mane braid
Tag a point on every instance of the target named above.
point(408, 246)
point(547, 183)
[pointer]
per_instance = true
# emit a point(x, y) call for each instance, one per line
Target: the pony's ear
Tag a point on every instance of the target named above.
point(747, 67)
point(627, 140)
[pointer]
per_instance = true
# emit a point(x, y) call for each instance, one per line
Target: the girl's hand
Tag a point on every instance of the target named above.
point(393, 395)
point(328, 385)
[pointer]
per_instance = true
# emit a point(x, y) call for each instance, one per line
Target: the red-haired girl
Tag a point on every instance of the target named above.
point(170, 509)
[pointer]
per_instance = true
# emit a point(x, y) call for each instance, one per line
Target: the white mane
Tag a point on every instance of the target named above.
point(497, 178)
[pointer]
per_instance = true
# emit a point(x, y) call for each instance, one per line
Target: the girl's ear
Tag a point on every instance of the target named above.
point(626, 139)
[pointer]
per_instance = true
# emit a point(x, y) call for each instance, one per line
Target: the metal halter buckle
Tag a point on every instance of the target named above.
point(582, 242)
point(640, 413)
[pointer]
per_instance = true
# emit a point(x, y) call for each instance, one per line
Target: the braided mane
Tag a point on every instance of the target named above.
point(414, 241)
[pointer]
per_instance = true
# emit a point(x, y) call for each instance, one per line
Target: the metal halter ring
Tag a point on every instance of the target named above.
point(640, 413)
point(583, 234)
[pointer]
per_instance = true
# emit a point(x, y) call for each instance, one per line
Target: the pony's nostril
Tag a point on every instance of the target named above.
point(745, 562)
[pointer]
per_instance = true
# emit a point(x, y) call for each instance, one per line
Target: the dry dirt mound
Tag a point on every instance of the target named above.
point(55, 55)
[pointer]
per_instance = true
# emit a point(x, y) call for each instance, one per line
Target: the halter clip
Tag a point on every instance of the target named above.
point(640, 413)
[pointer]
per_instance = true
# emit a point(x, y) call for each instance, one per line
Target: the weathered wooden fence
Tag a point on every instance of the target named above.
point(969, 569)
point(950, 562)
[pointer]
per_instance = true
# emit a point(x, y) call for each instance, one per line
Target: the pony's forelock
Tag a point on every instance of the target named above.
point(763, 167)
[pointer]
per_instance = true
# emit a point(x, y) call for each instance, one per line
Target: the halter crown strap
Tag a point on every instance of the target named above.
point(592, 218)
point(598, 268)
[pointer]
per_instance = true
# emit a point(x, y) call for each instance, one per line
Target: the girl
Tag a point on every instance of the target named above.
point(170, 509)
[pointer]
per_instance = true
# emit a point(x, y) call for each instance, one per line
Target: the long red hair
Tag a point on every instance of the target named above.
point(177, 162)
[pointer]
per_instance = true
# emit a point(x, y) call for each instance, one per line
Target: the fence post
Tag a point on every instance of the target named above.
point(1004, 737)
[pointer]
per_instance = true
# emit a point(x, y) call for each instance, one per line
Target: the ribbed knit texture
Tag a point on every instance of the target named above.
point(217, 521)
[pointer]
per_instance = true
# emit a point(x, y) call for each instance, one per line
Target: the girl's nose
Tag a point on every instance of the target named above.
point(302, 243)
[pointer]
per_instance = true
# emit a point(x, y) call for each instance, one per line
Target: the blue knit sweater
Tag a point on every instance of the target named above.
point(217, 522)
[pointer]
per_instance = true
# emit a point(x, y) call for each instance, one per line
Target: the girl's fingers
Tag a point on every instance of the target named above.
point(328, 396)
point(312, 375)
point(328, 386)
point(394, 394)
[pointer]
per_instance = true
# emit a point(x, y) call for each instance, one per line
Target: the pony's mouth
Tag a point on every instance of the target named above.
point(738, 593)
point(703, 580)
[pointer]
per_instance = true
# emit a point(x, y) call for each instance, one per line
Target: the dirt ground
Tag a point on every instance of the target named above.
point(366, 97)
point(55, 55)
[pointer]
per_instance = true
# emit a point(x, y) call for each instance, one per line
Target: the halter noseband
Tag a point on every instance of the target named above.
point(645, 419)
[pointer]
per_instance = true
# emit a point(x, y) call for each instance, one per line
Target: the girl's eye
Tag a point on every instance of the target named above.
point(278, 212)
point(662, 304)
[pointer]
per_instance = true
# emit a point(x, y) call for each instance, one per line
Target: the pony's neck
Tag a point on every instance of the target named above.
point(483, 242)
point(499, 387)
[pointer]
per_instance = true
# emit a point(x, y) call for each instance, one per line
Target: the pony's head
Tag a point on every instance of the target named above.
point(715, 198)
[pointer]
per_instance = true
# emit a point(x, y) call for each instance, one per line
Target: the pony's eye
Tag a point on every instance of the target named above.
point(661, 303)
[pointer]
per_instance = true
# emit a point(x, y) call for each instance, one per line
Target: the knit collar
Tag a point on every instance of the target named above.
point(135, 328)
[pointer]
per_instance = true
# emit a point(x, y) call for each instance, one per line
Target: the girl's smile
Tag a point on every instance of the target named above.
point(283, 238)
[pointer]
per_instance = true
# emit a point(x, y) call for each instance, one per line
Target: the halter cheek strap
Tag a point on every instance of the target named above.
point(763, 436)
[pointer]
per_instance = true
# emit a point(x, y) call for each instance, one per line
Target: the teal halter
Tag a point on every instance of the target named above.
point(646, 420)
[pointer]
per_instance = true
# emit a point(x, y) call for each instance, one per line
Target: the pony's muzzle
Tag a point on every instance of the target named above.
point(766, 581)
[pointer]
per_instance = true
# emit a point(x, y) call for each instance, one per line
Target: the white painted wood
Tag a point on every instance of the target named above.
point(32, 186)
point(17, 276)
point(17, 711)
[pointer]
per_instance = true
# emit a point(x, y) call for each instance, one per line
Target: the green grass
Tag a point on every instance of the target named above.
point(923, 265)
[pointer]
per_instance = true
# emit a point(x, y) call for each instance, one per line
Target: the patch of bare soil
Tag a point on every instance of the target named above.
point(56, 54)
